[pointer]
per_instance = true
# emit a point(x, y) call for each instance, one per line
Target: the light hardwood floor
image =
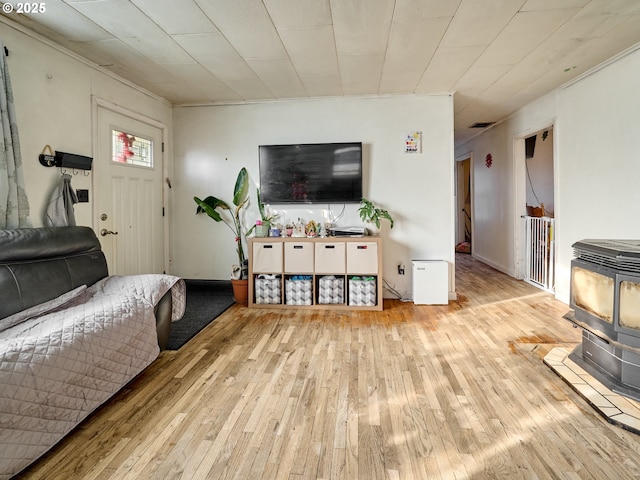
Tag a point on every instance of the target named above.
point(413, 392)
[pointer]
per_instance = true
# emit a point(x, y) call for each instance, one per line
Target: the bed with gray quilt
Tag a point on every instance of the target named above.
point(71, 336)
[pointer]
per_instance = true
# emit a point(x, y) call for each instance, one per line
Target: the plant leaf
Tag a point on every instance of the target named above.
point(387, 215)
point(260, 205)
point(209, 205)
point(242, 187)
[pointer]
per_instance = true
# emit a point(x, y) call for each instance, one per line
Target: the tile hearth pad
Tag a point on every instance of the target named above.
point(617, 409)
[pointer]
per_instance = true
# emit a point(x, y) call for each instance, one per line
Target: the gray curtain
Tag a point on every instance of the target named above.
point(14, 206)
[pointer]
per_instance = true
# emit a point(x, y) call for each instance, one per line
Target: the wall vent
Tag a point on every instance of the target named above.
point(482, 124)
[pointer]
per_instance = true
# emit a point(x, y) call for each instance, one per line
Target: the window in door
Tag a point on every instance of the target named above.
point(130, 149)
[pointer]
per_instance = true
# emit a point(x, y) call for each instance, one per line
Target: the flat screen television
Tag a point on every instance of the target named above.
point(311, 173)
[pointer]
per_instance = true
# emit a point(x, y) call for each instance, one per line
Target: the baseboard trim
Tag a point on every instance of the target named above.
point(507, 271)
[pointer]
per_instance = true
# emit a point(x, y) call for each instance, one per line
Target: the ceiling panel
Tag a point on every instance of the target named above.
point(311, 50)
point(252, 89)
point(613, 7)
point(582, 57)
point(478, 22)
point(514, 80)
point(323, 85)
point(118, 17)
point(299, 13)
point(125, 21)
point(360, 74)
point(533, 5)
point(480, 77)
point(69, 23)
point(409, 10)
point(522, 35)
point(117, 53)
point(172, 91)
point(517, 40)
point(279, 76)
point(446, 67)
point(361, 26)
point(411, 46)
point(247, 26)
point(197, 77)
point(159, 48)
point(176, 16)
point(216, 54)
point(589, 23)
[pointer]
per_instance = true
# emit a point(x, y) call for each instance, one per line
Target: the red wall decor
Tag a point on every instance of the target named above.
point(489, 160)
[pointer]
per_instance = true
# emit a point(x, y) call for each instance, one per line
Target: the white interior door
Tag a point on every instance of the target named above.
point(129, 194)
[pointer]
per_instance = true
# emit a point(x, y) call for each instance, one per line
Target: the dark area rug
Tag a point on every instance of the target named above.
point(206, 300)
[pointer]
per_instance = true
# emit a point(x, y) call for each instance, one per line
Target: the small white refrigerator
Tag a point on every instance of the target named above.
point(430, 282)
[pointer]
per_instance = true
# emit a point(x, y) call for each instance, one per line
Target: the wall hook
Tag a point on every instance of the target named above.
point(47, 158)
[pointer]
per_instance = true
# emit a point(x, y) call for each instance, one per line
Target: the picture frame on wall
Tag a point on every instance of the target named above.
point(413, 142)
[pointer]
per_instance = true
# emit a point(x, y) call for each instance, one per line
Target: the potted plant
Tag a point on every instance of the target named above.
point(221, 211)
point(372, 215)
point(262, 226)
point(289, 229)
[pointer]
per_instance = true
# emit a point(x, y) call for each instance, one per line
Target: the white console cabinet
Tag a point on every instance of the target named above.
point(287, 272)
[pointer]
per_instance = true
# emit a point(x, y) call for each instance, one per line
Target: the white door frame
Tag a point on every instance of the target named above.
point(97, 103)
point(520, 191)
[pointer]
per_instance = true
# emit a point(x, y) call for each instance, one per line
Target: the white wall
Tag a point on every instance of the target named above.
point(596, 168)
point(212, 143)
point(53, 95)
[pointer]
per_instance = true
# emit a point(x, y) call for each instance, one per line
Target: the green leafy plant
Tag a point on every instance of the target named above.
point(265, 216)
point(221, 211)
point(371, 213)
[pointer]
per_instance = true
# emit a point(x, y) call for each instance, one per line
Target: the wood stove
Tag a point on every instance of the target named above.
point(605, 298)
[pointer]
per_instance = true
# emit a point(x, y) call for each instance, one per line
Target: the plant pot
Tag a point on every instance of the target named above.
point(240, 290)
point(262, 230)
point(372, 229)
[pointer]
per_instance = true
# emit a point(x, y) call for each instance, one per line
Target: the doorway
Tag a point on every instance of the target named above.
point(535, 155)
point(129, 195)
point(464, 204)
point(539, 172)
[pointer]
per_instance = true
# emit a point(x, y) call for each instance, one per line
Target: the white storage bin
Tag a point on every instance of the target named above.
point(362, 291)
point(298, 290)
point(330, 290)
point(268, 290)
point(330, 257)
point(267, 257)
point(362, 257)
point(298, 257)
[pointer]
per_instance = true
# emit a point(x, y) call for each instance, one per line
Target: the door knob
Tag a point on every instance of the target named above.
point(104, 232)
